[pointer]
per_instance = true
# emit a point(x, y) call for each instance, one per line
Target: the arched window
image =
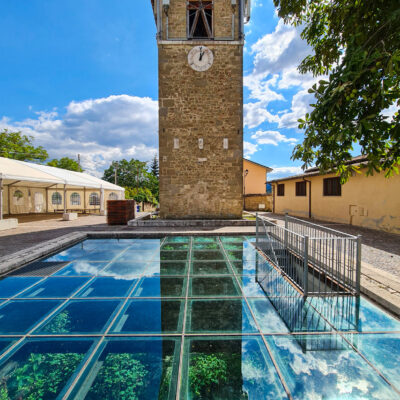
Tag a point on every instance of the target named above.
point(113, 196)
point(56, 198)
point(18, 198)
point(94, 199)
point(75, 199)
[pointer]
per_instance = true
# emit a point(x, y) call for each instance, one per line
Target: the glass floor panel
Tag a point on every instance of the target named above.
point(167, 268)
point(81, 268)
point(55, 287)
point(383, 350)
point(42, 369)
point(125, 270)
point(161, 287)
point(80, 316)
point(19, 316)
point(213, 287)
point(107, 287)
point(175, 255)
point(206, 246)
point(326, 367)
point(150, 316)
point(134, 368)
point(4, 344)
point(250, 286)
point(228, 368)
point(136, 255)
point(239, 341)
point(345, 314)
point(219, 316)
point(175, 246)
point(203, 255)
point(210, 268)
point(11, 286)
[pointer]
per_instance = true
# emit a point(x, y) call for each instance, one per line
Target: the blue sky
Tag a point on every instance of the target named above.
point(81, 77)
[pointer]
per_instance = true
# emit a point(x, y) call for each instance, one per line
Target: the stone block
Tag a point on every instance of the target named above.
point(10, 223)
point(70, 216)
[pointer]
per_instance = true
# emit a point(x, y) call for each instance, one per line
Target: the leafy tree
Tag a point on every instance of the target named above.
point(206, 373)
point(121, 377)
point(66, 163)
point(42, 376)
point(129, 173)
point(20, 147)
point(356, 42)
point(61, 323)
point(140, 184)
point(154, 169)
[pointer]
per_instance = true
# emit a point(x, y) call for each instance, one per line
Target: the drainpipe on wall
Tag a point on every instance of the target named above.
point(309, 198)
point(273, 197)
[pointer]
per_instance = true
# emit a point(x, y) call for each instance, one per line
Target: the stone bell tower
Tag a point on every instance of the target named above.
point(200, 46)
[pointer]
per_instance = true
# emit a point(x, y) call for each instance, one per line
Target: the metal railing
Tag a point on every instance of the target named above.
point(318, 261)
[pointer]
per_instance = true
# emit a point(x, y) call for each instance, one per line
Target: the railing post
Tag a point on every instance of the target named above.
point(358, 266)
point(257, 230)
point(286, 220)
point(305, 277)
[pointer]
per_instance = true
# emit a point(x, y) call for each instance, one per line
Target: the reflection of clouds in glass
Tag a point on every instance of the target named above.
point(86, 268)
point(326, 373)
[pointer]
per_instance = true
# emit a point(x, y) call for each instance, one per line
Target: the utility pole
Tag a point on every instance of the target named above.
point(115, 174)
point(79, 161)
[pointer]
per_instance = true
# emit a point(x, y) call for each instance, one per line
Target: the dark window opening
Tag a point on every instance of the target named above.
point(200, 19)
point(301, 188)
point(332, 187)
point(281, 189)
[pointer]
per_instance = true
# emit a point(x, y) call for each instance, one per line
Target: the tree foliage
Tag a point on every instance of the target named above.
point(140, 184)
point(41, 376)
point(154, 168)
point(20, 147)
point(356, 43)
point(65, 163)
point(121, 377)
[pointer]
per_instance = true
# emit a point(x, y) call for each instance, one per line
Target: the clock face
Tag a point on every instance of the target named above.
point(200, 58)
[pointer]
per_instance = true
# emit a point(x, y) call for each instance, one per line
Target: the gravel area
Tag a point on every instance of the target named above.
point(379, 249)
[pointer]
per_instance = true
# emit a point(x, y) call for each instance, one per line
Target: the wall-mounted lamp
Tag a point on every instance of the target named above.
point(176, 143)
point(165, 4)
point(201, 143)
point(225, 143)
point(233, 5)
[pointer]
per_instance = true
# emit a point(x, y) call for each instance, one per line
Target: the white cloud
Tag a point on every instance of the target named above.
point(280, 50)
point(300, 106)
point(276, 58)
point(271, 137)
point(249, 149)
point(256, 113)
point(281, 172)
point(101, 130)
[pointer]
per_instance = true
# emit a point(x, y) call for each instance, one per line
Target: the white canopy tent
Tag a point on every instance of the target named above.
point(15, 173)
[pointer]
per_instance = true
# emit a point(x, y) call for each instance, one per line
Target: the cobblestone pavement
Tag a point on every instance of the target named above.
point(379, 249)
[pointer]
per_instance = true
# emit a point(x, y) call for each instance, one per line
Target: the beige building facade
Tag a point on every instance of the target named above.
point(255, 194)
point(200, 47)
point(370, 202)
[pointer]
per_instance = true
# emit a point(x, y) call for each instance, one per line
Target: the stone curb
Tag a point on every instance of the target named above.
point(180, 223)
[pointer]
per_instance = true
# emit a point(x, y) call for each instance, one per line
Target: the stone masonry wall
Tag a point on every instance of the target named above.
point(252, 202)
point(197, 183)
